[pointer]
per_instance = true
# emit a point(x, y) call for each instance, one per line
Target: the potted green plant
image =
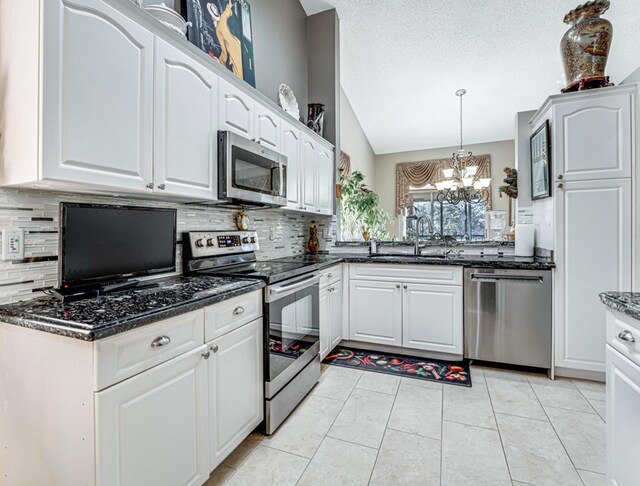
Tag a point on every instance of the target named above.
point(361, 210)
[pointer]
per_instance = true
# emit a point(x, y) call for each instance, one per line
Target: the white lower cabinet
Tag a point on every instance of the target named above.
point(330, 316)
point(152, 428)
point(335, 325)
point(375, 312)
point(392, 307)
point(432, 318)
point(325, 322)
point(235, 389)
point(623, 419)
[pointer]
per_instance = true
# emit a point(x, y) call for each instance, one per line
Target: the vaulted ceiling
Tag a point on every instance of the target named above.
point(402, 61)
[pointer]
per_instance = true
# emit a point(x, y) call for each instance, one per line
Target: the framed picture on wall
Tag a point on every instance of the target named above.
point(222, 29)
point(541, 162)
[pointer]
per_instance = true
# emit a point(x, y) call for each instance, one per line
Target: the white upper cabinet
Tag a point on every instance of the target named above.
point(326, 174)
point(236, 110)
point(593, 135)
point(98, 96)
point(309, 174)
point(185, 129)
point(291, 148)
point(267, 129)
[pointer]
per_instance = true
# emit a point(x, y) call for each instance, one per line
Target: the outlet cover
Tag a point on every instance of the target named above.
point(12, 244)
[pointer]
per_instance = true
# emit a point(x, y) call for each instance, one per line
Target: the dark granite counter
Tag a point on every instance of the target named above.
point(475, 261)
point(93, 319)
point(626, 302)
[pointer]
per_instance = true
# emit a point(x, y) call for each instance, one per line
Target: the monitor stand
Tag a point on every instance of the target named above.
point(71, 294)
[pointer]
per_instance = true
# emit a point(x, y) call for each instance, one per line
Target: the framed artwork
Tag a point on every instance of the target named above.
point(541, 162)
point(222, 29)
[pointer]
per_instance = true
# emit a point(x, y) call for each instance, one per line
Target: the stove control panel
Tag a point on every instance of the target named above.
point(214, 243)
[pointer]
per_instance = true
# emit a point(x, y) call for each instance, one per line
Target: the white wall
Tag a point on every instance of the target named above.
point(354, 142)
point(502, 155)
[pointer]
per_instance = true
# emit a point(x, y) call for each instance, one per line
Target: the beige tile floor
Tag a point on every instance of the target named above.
point(363, 428)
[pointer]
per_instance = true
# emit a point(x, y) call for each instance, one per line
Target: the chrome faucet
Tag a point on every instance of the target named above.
point(417, 250)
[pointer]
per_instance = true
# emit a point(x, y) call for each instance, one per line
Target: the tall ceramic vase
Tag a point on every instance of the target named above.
point(585, 46)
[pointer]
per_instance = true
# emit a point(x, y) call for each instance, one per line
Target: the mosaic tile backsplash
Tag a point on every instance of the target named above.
point(281, 233)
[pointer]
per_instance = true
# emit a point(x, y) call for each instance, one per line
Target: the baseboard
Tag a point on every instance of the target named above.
point(580, 374)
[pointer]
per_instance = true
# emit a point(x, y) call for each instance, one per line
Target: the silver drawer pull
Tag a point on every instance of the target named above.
point(330, 275)
point(160, 341)
point(627, 336)
point(238, 310)
point(214, 348)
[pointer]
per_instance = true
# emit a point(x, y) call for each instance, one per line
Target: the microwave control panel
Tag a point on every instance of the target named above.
point(214, 243)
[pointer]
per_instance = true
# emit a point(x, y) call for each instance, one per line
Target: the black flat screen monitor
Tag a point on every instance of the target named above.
point(102, 243)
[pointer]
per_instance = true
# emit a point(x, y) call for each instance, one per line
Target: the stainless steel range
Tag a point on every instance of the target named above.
point(291, 310)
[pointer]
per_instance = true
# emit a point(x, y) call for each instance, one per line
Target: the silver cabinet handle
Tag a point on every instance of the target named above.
point(160, 341)
point(214, 348)
point(560, 177)
point(206, 355)
point(405, 287)
point(560, 185)
point(330, 275)
point(398, 286)
point(162, 187)
point(238, 310)
point(150, 185)
point(627, 336)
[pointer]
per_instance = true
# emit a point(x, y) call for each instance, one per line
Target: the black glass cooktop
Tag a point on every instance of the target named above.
point(318, 258)
point(271, 271)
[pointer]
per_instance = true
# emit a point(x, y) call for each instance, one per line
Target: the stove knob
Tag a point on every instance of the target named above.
point(254, 239)
point(210, 242)
point(245, 240)
point(200, 243)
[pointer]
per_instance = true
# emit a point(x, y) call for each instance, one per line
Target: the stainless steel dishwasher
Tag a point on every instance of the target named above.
point(507, 316)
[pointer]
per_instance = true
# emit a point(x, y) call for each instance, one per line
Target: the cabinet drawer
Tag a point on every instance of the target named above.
point(231, 314)
point(619, 327)
point(438, 274)
point(330, 275)
point(122, 356)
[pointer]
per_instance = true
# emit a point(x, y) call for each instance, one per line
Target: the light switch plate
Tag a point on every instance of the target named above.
point(12, 244)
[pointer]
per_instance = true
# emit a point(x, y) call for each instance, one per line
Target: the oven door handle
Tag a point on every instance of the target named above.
point(275, 292)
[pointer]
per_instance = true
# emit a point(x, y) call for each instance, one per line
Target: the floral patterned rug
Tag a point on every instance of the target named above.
point(456, 373)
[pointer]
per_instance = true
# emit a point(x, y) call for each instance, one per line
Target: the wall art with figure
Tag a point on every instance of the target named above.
point(222, 29)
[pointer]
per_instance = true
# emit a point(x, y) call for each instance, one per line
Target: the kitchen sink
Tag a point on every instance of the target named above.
point(408, 257)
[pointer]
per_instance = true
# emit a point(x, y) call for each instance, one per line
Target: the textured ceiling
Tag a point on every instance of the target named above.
point(402, 61)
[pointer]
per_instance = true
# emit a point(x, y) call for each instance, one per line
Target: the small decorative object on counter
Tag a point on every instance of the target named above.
point(288, 102)
point(314, 244)
point(242, 221)
point(585, 46)
point(315, 118)
point(170, 18)
point(511, 187)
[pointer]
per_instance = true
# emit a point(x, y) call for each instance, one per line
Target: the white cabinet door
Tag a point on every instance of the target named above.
point(152, 428)
point(623, 419)
point(236, 110)
point(325, 322)
point(98, 96)
point(326, 188)
point(594, 137)
point(336, 315)
point(432, 318)
point(186, 122)
point(309, 174)
point(267, 128)
point(593, 255)
point(291, 147)
point(235, 389)
point(375, 313)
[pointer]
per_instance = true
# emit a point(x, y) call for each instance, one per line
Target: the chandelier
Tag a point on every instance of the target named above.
point(461, 182)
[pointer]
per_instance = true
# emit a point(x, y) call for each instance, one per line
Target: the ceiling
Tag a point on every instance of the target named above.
point(402, 61)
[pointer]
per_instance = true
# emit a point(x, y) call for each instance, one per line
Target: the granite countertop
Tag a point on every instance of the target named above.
point(93, 319)
point(626, 302)
point(475, 261)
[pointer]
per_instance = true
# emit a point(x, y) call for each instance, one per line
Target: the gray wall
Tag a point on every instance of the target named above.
point(280, 48)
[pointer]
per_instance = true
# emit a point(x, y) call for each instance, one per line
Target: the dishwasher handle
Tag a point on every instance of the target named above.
point(484, 277)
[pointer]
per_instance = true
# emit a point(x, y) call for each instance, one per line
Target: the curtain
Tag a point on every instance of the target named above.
point(419, 174)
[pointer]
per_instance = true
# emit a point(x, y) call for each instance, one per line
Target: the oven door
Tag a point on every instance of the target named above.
point(293, 319)
point(250, 172)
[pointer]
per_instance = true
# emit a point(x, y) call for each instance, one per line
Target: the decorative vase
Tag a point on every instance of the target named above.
point(366, 234)
point(242, 221)
point(585, 46)
point(315, 118)
point(313, 238)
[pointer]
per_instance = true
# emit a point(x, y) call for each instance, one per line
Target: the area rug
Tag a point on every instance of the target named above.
point(457, 373)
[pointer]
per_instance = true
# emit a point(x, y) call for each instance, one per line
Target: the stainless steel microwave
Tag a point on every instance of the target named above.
point(249, 173)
